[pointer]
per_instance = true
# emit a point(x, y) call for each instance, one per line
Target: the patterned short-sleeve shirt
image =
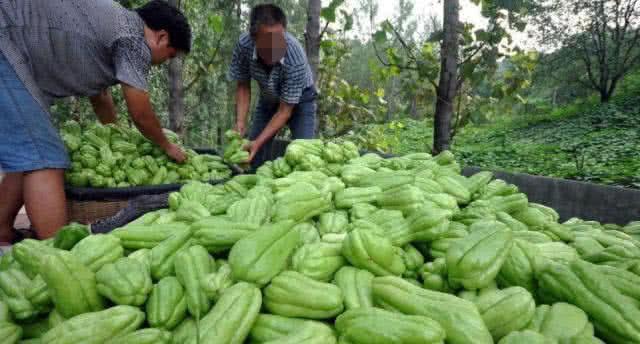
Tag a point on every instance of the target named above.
point(73, 47)
point(285, 81)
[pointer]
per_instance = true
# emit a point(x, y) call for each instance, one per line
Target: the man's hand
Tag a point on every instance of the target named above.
point(253, 148)
point(176, 153)
point(278, 121)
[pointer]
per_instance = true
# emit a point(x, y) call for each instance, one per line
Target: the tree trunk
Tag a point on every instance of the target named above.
point(227, 119)
point(312, 48)
point(176, 91)
point(606, 91)
point(448, 77)
point(458, 122)
point(390, 105)
point(176, 97)
point(413, 109)
point(312, 36)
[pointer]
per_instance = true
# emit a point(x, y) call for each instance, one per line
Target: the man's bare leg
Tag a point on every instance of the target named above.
point(44, 198)
point(10, 203)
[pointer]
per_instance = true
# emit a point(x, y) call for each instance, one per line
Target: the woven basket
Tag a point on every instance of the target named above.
point(87, 212)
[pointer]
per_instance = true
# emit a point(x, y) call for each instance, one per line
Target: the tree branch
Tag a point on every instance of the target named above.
point(632, 64)
point(209, 63)
point(324, 30)
point(403, 43)
point(615, 34)
point(614, 83)
point(601, 25)
point(456, 125)
point(475, 52)
point(435, 86)
point(387, 64)
point(585, 58)
point(632, 45)
point(585, 84)
point(459, 82)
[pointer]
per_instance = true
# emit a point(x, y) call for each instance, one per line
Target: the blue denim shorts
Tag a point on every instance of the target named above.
point(28, 139)
point(302, 122)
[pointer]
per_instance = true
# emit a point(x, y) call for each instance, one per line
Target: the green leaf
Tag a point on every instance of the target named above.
point(327, 44)
point(336, 3)
point(466, 36)
point(482, 35)
point(329, 13)
point(348, 25)
point(387, 26)
point(380, 37)
point(436, 36)
point(215, 23)
point(427, 50)
point(393, 57)
point(426, 70)
point(520, 25)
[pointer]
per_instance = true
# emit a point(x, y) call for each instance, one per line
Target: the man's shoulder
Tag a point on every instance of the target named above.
point(245, 41)
point(111, 23)
point(295, 52)
point(292, 41)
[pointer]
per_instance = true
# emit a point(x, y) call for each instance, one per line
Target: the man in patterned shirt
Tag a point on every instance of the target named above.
point(53, 49)
point(276, 60)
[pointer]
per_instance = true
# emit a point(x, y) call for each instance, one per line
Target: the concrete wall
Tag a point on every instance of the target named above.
point(606, 204)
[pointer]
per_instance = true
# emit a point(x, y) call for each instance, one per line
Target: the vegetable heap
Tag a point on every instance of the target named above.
point(326, 246)
point(234, 152)
point(119, 156)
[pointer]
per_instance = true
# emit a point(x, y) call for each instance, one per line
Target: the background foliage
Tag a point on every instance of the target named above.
point(527, 111)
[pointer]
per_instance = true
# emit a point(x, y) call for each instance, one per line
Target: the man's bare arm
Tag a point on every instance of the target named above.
point(142, 114)
point(103, 107)
point(243, 101)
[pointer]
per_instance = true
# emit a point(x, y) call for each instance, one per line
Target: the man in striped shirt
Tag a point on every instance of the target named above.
point(276, 60)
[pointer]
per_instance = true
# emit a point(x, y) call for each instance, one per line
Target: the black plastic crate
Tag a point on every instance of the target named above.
point(99, 194)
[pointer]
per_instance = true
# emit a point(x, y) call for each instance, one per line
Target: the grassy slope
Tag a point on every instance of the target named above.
point(593, 142)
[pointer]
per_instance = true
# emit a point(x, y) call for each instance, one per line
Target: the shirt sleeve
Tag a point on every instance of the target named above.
point(293, 83)
point(240, 64)
point(132, 62)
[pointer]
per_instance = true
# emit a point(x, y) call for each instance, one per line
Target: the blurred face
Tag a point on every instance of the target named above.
point(270, 43)
point(161, 51)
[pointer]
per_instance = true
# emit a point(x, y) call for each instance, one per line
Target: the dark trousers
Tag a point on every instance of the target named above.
point(302, 122)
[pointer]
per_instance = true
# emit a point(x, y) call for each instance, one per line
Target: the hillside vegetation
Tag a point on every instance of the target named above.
point(588, 141)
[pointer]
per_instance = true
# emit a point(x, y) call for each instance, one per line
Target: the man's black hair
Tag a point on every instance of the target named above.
point(266, 14)
point(159, 15)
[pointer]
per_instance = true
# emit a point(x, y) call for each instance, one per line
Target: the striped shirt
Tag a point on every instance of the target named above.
point(284, 82)
point(73, 47)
